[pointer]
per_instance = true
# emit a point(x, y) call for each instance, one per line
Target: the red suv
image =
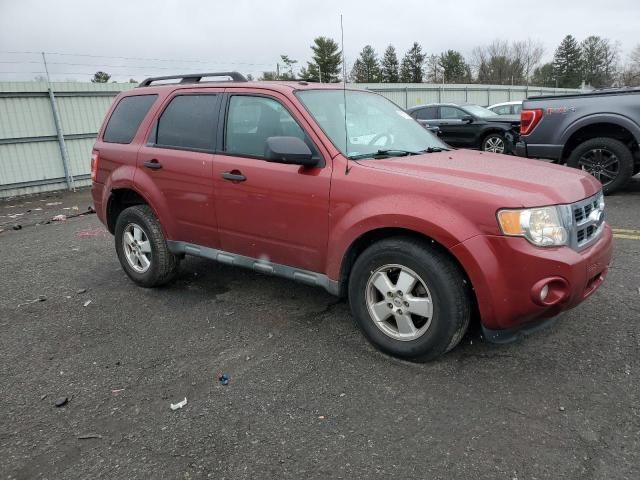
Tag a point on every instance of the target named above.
point(342, 189)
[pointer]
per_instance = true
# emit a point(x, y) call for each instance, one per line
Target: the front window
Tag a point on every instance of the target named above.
point(252, 120)
point(372, 123)
point(480, 112)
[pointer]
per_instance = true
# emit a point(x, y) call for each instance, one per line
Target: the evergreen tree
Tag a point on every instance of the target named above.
point(100, 77)
point(593, 61)
point(288, 74)
point(544, 76)
point(389, 71)
point(366, 69)
point(567, 63)
point(412, 68)
point(455, 68)
point(326, 62)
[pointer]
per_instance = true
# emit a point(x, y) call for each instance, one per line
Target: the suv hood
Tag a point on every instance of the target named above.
point(513, 182)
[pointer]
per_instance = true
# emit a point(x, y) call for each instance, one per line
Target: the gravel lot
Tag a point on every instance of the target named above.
point(307, 397)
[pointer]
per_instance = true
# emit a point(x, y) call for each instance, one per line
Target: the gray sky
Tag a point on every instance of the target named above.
point(249, 36)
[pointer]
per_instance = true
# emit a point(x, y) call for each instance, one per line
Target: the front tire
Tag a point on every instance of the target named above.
point(495, 143)
point(607, 159)
point(410, 300)
point(142, 249)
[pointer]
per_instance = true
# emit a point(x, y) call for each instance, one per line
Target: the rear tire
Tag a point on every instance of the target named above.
point(607, 159)
point(417, 321)
point(142, 249)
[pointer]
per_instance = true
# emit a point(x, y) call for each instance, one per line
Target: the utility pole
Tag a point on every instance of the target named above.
point(60, 133)
point(319, 73)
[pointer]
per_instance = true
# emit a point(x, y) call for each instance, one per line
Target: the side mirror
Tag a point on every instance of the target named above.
point(467, 119)
point(289, 150)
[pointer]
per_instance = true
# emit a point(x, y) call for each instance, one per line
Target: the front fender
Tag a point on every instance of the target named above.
point(443, 225)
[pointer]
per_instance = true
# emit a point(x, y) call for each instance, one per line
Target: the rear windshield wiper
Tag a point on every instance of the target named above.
point(384, 153)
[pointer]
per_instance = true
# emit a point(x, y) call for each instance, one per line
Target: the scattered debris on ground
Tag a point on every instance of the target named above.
point(87, 303)
point(61, 402)
point(89, 436)
point(59, 218)
point(41, 298)
point(224, 378)
point(81, 291)
point(176, 406)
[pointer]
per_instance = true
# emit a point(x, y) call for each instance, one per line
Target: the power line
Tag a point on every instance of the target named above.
point(135, 58)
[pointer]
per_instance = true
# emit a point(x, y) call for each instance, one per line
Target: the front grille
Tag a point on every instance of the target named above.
point(587, 225)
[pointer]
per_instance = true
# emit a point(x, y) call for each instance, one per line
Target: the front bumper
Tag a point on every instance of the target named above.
point(508, 272)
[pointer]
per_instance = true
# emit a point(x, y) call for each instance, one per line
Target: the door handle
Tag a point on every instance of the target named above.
point(153, 164)
point(234, 176)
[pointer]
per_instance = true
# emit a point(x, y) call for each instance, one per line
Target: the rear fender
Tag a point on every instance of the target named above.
point(613, 118)
point(147, 189)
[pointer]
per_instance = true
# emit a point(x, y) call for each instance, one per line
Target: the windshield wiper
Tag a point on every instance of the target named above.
point(435, 149)
point(384, 153)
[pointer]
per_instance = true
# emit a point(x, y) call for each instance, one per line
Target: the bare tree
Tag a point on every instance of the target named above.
point(529, 53)
point(631, 73)
point(498, 63)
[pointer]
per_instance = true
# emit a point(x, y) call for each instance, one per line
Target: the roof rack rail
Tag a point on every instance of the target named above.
point(194, 77)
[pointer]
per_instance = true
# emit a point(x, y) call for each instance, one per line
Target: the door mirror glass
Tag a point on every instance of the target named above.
point(289, 150)
point(467, 119)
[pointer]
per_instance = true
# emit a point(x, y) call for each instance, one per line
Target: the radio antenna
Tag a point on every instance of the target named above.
point(344, 96)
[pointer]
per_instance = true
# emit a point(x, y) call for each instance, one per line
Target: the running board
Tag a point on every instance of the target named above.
point(257, 264)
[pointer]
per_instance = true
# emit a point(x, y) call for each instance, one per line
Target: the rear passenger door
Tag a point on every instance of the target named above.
point(267, 210)
point(178, 161)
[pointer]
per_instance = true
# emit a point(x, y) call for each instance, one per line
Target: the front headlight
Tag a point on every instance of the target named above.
point(541, 226)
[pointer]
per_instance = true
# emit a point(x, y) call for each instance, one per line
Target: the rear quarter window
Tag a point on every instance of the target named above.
point(127, 117)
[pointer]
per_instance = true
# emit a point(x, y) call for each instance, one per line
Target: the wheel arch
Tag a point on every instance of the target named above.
point(611, 126)
point(360, 244)
point(489, 131)
point(120, 199)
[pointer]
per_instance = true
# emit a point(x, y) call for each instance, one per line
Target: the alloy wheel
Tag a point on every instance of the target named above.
point(137, 248)
point(601, 163)
point(494, 144)
point(399, 302)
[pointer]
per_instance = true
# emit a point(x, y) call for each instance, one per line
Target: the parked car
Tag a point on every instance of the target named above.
point(597, 132)
point(470, 126)
point(342, 189)
point(507, 108)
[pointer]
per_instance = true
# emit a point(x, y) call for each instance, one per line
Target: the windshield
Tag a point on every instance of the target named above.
point(374, 125)
point(479, 111)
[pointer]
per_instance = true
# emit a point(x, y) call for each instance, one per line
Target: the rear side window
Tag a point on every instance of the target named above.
point(127, 117)
point(189, 122)
point(428, 113)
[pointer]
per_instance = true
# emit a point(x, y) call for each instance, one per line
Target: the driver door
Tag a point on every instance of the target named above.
point(454, 130)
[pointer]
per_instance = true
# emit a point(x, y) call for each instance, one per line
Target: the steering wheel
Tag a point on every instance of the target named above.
point(387, 136)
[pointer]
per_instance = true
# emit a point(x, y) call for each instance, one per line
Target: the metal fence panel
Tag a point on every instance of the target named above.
point(30, 155)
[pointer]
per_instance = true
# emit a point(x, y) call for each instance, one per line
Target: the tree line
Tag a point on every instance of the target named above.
point(594, 62)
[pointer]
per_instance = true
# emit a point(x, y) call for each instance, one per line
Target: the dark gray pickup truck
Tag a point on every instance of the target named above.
point(597, 131)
